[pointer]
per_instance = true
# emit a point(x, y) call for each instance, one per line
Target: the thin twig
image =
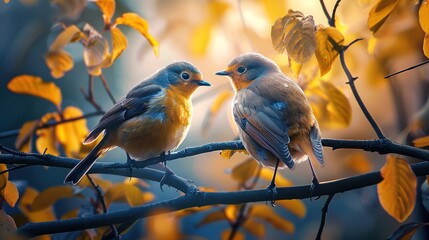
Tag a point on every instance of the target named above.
point(324, 212)
point(325, 10)
point(100, 198)
point(334, 12)
point(15, 132)
point(106, 87)
point(407, 69)
point(90, 96)
point(13, 169)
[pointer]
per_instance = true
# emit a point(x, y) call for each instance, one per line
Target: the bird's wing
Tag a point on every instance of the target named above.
point(264, 124)
point(124, 110)
point(316, 143)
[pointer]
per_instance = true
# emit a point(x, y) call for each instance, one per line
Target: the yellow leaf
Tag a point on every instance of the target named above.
point(23, 141)
point(267, 174)
point(295, 67)
point(119, 42)
point(210, 218)
point(227, 233)
point(51, 195)
point(3, 177)
point(397, 191)
point(6, 1)
point(329, 43)
point(426, 45)
point(330, 106)
point(424, 16)
point(107, 7)
point(70, 214)
point(127, 192)
point(95, 52)
point(227, 154)
point(46, 138)
point(102, 183)
point(379, 13)
point(25, 204)
point(59, 62)
point(10, 193)
point(72, 134)
point(35, 86)
point(295, 33)
point(7, 226)
point(163, 226)
point(200, 38)
point(231, 212)
point(244, 171)
point(135, 21)
point(421, 142)
point(266, 213)
point(358, 163)
point(70, 34)
point(255, 228)
point(295, 206)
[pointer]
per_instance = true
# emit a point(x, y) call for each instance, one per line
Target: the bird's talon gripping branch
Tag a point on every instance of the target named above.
point(273, 189)
point(131, 164)
point(164, 178)
point(314, 184)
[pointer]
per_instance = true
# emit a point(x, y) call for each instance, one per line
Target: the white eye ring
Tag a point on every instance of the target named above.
point(185, 75)
point(241, 69)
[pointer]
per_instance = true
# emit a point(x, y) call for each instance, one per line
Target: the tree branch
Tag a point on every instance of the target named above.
point(407, 69)
point(199, 199)
point(324, 212)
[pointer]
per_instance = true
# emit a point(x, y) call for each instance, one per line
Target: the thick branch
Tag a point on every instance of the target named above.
point(199, 199)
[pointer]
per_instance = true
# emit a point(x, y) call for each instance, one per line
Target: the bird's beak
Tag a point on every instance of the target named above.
point(202, 83)
point(223, 73)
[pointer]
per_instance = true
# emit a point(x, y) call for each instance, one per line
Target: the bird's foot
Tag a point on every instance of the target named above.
point(164, 178)
point(313, 186)
point(131, 164)
point(273, 189)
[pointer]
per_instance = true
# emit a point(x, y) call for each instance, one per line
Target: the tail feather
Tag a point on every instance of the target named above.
point(77, 173)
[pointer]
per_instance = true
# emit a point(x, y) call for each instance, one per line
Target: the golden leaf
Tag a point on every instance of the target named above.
point(295, 206)
point(379, 13)
point(266, 213)
point(424, 16)
point(135, 21)
point(125, 192)
point(231, 212)
point(267, 174)
point(421, 142)
point(238, 235)
point(46, 138)
point(200, 38)
point(358, 163)
point(397, 191)
point(255, 228)
point(3, 177)
point(169, 229)
point(295, 33)
point(227, 154)
point(330, 106)
point(426, 45)
point(7, 226)
point(107, 7)
point(96, 52)
point(295, 67)
point(70, 214)
point(210, 218)
point(35, 86)
point(119, 42)
point(51, 195)
point(329, 42)
point(72, 134)
point(25, 204)
point(70, 34)
point(10, 193)
point(244, 171)
point(102, 183)
point(23, 141)
point(59, 62)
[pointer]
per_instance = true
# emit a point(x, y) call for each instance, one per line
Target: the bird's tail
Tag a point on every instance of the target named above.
point(312, 146)
point(77, 173)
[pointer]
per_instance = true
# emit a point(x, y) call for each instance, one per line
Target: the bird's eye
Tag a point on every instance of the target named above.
point(185, 75)
point(241, 69)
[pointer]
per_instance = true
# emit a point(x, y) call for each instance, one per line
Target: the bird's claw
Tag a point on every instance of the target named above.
point(164, 179)
point(314, 184)
point(131, 163)
point(273, 189)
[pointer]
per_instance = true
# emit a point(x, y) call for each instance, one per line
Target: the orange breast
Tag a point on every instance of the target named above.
point(145, 137)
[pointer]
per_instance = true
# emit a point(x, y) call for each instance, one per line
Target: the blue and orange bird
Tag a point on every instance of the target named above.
point(275, 121)
point(151, 120)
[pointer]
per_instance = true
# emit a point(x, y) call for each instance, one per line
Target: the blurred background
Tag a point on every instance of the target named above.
point(209, 34)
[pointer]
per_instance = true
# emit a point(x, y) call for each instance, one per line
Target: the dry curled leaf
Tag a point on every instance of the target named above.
point(397, 191)
point(35, 86)
point(96, 52)
point(295, 33)
point(379, 13)
point(135, 21)
point(119, 43)
point(59, 62)
point(329, 43)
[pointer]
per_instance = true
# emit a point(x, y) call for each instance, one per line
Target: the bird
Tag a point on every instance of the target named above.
point(275, 121)
point(150, 121)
